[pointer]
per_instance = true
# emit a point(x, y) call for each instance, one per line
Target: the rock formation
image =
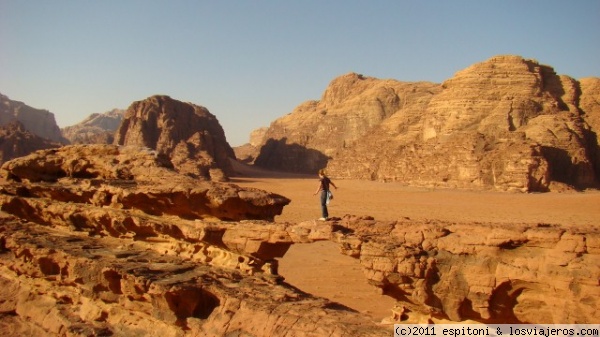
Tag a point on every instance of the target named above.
point(152, 185)
point(100, 240)
point(96, 129)
point(188, 134)
point(494, 273)
point(507, 123)
point(247, 152)
point(16, 141)
point(306, 139)
point(39, 122)
point(92, 245)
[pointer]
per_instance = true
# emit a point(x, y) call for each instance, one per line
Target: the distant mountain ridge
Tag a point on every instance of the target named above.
point(98, 128)
point(38, 121)
point(507, 123)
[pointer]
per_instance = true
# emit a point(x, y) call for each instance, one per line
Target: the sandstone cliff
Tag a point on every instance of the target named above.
point(16, 141)
point(188, 134)
point(507, 123)
point(40, 122)
point(96, 129)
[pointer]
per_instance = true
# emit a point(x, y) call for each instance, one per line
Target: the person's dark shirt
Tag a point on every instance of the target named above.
point(325, 183)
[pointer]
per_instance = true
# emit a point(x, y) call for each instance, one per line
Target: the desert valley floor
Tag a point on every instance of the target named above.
point(319, 268)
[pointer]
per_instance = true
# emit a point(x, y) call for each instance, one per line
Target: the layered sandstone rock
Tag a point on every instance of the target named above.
point(16, 141)
point(99, 240)
point(39, 122)
point(306, 139)
point(188, 134)
point(96, 129)
point(481, 272)
point(137, 178)
point(507, 123)
point(62, 282)
point(109, 240)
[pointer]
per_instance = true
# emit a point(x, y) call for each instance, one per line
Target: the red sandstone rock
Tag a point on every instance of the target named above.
point(16, 141)
point(102, 240)
point(188, 134)
point(481, 272)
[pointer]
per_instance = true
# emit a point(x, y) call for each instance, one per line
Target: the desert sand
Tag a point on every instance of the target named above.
point(320, 269)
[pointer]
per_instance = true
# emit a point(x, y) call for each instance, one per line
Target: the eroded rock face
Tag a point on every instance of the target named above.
point(306, 139)
point(16, 141)
point(59, 282)
point(99, 240)
point(136, 178)
point(482, 272)
point(507, 123)
point(188, 134)
point(37, 121)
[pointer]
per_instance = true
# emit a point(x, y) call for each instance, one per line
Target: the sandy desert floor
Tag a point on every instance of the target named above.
point(320, 269)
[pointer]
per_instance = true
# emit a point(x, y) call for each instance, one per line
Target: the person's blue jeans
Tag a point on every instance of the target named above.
point(324, 211)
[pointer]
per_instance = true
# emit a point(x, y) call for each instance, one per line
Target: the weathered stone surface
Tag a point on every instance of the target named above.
point(16, 141)
point(188, 134)
point(95, 129)
point(135, 178)
point(507, 123)
point(304, 140)
point(58, 282)
point(39, 122)
point(481, 272)
point(590, 106)
point(99, 240)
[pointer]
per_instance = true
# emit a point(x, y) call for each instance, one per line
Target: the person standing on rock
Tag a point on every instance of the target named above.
point(324, 183)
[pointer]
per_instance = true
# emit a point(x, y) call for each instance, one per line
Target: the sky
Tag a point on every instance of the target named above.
point(251, 62)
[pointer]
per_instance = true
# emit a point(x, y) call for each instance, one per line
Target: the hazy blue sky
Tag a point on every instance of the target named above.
point(250, 62)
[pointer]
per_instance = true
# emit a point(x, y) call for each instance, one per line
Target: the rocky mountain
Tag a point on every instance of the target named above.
point(95, 129)
point(247, 152)
point(16, 141)
point(188, 134)
point(39, 122)
point(507, 123)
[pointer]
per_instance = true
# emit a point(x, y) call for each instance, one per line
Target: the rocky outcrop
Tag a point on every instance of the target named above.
point(39, 122)
point(16, 141)
point(96, 129)
point(137, 178)
point(494, 273)
point(109, 240)
point(188, 134)
point(92, 245)
point(507, 123)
